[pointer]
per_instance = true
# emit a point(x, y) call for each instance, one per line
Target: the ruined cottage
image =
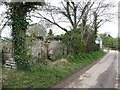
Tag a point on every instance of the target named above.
point(39, 47)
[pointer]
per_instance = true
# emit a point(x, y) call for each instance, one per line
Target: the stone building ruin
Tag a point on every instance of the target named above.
point(40, 48)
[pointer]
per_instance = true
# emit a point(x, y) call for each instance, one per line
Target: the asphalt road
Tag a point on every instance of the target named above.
point(104, 74)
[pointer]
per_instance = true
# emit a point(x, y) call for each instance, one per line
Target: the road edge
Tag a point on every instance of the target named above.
point(65, 81)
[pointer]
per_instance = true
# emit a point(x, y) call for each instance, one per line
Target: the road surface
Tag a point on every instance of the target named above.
point(104, 74)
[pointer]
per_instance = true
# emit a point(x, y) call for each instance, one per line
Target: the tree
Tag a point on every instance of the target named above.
point(73, 43)
point(74, 16)
point(69, 11)
point(36, 30)
point(50, 33)
point(109, 41)
point(18, 16)
point(84, 18)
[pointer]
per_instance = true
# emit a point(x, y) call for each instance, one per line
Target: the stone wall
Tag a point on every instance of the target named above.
point(39, 50)
point(6, 55)
point(6, 51)
point(56, 47)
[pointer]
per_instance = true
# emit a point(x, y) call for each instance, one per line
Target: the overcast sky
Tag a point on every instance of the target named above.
point(111, 27)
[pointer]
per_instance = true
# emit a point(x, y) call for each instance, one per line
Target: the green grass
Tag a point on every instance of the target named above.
point(42, 76)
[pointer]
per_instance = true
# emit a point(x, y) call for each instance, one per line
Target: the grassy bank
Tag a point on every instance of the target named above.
point(45, 75)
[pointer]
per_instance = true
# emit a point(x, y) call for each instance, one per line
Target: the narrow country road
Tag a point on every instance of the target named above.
point(104, 74)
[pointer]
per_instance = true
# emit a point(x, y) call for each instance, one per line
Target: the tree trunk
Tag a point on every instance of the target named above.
point(19, 26)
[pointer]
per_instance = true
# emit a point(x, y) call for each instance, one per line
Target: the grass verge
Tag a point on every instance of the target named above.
point(41, 76)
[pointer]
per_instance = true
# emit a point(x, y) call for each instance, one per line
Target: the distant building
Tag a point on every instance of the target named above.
point(99, 41)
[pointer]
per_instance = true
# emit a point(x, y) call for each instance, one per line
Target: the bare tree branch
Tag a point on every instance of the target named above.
point(51, 22)
point(83, 11)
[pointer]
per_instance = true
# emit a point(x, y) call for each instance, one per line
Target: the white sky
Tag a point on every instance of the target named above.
point(111, 27)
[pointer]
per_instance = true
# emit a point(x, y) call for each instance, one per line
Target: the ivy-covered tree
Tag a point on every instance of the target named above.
point(18, 13)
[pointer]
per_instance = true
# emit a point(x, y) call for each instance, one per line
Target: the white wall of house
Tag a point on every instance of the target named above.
point(101, 44)
point(99, 41)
